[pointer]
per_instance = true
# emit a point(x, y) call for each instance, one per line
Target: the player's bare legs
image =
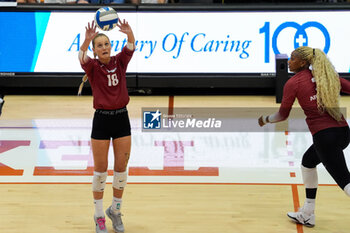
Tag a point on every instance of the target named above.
point(100, 153)
point(121, 147)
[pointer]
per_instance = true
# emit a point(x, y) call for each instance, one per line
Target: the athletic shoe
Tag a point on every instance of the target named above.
point(116, 220)
point(302, 217)
point(100, 225)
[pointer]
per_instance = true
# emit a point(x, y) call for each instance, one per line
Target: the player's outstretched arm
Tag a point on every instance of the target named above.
point(274, 118)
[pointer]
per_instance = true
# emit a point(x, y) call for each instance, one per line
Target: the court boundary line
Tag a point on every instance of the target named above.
point(296, 205)
point(167, 183)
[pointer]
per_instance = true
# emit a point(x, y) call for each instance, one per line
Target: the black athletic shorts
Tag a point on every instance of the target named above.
point(109, 124)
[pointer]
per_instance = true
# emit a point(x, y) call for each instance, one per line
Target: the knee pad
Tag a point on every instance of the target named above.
point(347, 189)
point(119, 180)
point(99, 181)
point(310, 177)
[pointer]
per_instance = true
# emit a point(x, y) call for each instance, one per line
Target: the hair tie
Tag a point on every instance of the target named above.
point(313, 51)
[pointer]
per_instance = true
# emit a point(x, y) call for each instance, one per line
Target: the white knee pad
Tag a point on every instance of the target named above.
point(347, 189)
point(310, 177)
point(119, 180)
point(99, 181)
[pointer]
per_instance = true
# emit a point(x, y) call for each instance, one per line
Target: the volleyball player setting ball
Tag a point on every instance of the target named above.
point(318, 93)
point(106, 75)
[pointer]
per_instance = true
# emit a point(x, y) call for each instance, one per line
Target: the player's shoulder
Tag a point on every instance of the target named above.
point(301, 76)
point(114, 59)
point(304, 74)
point(293, 82)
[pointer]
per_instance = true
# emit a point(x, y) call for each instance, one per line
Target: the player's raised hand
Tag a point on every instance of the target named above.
point(90, 32)
point(124, 26)
point(261, 121)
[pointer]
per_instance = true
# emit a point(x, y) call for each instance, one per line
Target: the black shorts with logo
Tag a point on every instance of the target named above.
point(109, 124)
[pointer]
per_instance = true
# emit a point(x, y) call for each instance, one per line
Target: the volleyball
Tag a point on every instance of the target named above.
point(106, 18)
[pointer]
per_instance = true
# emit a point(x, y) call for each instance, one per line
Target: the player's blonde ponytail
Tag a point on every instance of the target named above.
point(327, 80)
point(84, 79)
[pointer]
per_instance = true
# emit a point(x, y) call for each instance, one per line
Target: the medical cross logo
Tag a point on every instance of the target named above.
point(152, 120)
point(300, 37)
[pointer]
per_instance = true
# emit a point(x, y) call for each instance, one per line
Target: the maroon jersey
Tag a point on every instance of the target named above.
point(108, 82)
point(303, 87)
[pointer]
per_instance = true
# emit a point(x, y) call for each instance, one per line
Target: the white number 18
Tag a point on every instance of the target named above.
point(112, 80)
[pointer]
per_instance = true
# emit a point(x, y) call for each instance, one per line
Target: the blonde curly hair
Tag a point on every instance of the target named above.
point(327, 80)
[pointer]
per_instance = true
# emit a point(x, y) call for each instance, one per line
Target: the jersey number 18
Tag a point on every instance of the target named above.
point(112, 80)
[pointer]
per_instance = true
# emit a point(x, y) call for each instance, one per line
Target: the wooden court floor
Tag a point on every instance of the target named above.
point(160, 208)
